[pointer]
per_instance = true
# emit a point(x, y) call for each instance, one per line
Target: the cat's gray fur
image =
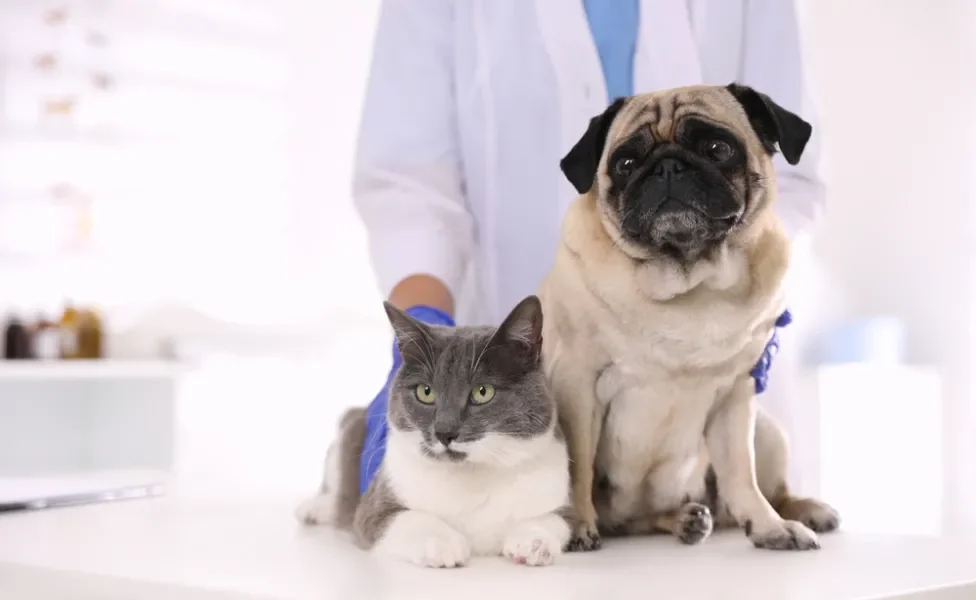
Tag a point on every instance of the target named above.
point(450, 361)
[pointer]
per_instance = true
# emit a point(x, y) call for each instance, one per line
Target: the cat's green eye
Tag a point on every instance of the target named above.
point(482, 394)
point(424, 393)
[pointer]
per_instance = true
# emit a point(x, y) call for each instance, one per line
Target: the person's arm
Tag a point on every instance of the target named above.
point(407, 182)
point(773, 63)
point(422, 290)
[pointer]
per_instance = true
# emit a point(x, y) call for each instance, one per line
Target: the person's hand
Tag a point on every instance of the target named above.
point(761, 371)
point(376, 427)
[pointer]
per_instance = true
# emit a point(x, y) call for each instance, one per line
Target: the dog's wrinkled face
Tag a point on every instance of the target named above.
point(678, 172)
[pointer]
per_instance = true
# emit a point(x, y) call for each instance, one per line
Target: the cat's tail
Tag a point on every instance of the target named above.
point(338, 495)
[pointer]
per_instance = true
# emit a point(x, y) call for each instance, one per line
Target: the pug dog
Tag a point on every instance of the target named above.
point(664, 293)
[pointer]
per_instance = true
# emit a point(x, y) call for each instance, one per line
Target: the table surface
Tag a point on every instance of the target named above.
point(217, 549)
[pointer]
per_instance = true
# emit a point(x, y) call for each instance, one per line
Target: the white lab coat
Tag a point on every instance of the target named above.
point(471, 104)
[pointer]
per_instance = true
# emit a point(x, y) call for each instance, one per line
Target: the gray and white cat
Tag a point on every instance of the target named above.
point(475, 462)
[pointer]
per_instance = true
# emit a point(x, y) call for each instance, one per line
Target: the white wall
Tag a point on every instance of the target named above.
point(896, 81)
point(235, 251)
point(261, 423)
point(225, 185)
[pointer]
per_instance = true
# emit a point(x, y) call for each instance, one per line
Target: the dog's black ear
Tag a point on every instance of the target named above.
point(773, 123)
point(581, 162)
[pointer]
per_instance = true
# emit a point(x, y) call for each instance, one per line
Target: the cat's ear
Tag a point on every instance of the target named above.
point(406, 329)
point(523, 326)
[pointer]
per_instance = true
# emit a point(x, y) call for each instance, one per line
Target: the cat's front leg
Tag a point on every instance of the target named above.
point(537, 542)
point(424, 540)
point(384, 526)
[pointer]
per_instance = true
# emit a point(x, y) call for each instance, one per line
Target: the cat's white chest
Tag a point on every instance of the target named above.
point(482, 503)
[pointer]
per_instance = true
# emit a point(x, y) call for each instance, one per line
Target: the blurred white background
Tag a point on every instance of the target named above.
point(219, 163)
point(896, 84)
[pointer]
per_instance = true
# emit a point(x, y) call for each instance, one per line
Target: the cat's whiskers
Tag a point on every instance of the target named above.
point(507, 456)
point(425, 349)
point(483, 350)
point(538, 420)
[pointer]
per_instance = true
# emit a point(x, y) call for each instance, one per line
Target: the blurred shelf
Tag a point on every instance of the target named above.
point(108, 369)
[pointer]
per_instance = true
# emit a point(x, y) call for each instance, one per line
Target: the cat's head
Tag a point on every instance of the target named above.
point(472, 394)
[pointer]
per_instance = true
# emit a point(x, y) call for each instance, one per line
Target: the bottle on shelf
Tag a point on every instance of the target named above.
point(68, 326)
point(89, 334)
point(46, 339)
point(16, 339)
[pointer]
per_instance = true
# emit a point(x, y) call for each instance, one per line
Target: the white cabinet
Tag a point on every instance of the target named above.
point(80, 416)
point(881, 447)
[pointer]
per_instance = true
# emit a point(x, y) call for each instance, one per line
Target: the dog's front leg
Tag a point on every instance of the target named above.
point(576, 399)
point(729, 436)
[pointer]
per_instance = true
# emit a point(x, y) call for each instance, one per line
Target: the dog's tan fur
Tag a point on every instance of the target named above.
point(649, 360)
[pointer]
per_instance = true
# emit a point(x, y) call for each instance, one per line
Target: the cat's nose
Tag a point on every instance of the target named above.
point(446, 437)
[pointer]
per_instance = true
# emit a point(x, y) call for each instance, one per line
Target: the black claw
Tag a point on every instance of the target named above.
point(584, 543)
point(748, 528)
point(789, 541)
point(825, 526)
point(696, 525)
point(693, 537)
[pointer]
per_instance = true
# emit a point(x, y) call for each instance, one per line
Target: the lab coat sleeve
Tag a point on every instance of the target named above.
point(773, 63)
point(407, 183)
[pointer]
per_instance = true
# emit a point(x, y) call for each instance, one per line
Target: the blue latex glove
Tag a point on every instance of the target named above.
point(376, 427)
point(761, 371)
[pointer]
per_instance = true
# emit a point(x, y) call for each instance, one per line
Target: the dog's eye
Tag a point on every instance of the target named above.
point(624, 166)
point(717, 151)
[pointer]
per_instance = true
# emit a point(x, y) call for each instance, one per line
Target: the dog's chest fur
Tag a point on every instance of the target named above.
point(651, 451)
point(482, 503)
point(670, 352)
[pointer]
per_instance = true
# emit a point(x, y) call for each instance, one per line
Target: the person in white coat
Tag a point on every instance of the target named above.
point(471, 104)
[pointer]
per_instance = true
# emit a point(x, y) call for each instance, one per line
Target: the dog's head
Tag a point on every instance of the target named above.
point(677, 173)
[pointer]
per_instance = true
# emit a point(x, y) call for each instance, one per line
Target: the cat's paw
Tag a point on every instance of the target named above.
point(784, 535)
point(442, 551)
point(537, 542)
point(531, 551)
point(424, 540)
point(317, 510)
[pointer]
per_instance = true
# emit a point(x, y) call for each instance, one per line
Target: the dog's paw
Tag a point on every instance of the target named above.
point(817, 515)
point(424, 540)
point(536, 542)
point(823, 518)
point(584, 538)
point(695, 523)
point(784, 535)
point(317, 510)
